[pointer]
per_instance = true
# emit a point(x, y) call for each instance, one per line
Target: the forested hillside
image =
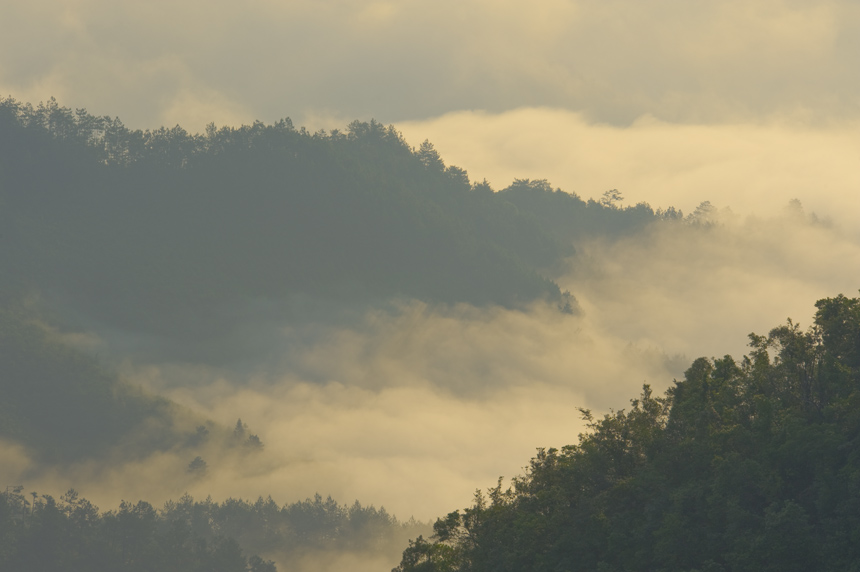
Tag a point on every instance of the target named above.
point(750, 465)
point(63, 405)
point(168, 233)
point(71, 533)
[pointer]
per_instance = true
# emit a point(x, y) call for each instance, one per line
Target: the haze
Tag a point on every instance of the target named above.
point(413, 405)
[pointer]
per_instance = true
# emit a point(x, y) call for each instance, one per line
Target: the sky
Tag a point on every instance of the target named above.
point(744, 103)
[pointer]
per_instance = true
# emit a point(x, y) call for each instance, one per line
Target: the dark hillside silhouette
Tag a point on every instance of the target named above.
point(167, 232)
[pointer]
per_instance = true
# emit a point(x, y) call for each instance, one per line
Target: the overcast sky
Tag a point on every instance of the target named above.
point(614, 60)
point(561, 82)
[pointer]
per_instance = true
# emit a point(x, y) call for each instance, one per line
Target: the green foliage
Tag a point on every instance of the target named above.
point(741, 466)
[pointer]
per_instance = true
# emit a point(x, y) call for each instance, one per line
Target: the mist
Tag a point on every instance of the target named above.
point(742, 114)
point(751, 167)
point(413, 406)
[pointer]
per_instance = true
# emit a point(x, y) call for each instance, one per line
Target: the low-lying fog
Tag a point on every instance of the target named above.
point(413, 407)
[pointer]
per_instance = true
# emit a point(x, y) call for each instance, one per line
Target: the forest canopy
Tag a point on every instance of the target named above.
point(163, 231)
point(746, 465)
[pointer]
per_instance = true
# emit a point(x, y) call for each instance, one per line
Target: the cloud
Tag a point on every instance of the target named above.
point(413, 406)
point(697, 291)
point(614, 61)
point(749, 167)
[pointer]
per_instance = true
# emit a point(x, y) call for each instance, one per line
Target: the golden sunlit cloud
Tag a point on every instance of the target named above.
point(753, 167)
point(728, 61)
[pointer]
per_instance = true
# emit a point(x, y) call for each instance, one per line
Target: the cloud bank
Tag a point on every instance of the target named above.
point(192, 61)
point(414, 406)
point(750, 167)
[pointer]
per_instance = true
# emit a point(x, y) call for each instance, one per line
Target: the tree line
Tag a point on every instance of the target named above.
point(70, 533)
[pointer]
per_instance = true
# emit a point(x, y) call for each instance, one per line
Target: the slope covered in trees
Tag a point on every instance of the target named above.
point(166, 232)
point(743, 466)
point(63, 405)
point(70, 533)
